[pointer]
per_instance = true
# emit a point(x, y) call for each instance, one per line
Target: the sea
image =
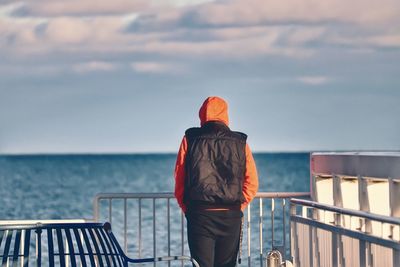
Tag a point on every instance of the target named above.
point(64, 186)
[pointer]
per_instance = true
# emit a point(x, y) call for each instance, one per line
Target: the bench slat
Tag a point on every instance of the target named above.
point(27, 242)
point(1, 236)
point(89, 249)
point(50, 246)
point(17, 242)
point(39, 247)
point(103, 247)
point(96, 248)
point(115, 246)
point(114, 253)
point(70, 247)
point(60, 247)
point(7, 247)
point(80, 247)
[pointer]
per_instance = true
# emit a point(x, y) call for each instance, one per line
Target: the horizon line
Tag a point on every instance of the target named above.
point(175, 152)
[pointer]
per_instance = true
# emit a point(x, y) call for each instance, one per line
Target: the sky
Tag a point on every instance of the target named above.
point(129, 76)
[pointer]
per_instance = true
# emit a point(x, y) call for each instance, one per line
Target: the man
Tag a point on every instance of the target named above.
point(215, 179)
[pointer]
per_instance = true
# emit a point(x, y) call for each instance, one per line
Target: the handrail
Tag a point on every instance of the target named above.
point(167, 195)
point(356, 213)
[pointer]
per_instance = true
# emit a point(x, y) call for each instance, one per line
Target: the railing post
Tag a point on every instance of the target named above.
point(261, 232)
point(96, 208)
point(154, 230)
point(125, 226)
point(284, 227)
point(140, 226)
point(169, 229)
point(272, 222)
point(248, 236)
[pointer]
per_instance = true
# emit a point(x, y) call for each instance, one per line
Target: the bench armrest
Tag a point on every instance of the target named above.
point(167, 258)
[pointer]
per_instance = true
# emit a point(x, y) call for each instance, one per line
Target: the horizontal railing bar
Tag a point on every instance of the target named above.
point(282, 194)
point(347, 232)
point(133, 195)
point(171, 195)
point(356, 213)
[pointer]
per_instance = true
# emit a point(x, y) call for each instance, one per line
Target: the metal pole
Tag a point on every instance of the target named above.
point(272, 221)
point(182, 236)
point(292, 211)
point(261, 232)
point(248, 236)
point(125, 226)
point(154, 231)
point(169, 230)
point(284, 228)
point(96, 208)
point(140, 227)
point(110, 211)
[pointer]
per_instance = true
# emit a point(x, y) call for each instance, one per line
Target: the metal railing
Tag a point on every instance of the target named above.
point(319, 241)
point(136, 206)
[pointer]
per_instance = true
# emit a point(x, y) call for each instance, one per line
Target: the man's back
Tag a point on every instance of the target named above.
point(215, 165)
point(215, 179)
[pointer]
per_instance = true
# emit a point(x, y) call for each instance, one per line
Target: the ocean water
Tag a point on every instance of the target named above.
point(63, 186)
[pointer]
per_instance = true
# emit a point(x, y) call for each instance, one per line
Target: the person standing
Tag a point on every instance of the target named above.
point(215, 180)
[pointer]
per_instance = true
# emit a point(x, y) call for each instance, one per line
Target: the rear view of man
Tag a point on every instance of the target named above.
point(215, 179)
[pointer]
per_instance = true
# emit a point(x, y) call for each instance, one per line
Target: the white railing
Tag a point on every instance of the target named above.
point(267, 213)
point(325, 235)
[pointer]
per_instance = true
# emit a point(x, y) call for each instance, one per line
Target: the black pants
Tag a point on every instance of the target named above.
point(213, 237)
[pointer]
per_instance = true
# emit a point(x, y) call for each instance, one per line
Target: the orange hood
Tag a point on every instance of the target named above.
point(214, 108)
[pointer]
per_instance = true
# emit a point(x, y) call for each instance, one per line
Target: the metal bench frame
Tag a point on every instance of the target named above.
point(66, 244)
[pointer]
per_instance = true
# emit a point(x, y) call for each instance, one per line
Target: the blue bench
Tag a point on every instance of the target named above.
point(66, 244)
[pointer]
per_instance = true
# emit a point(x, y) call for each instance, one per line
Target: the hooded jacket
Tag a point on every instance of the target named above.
point(214, 120)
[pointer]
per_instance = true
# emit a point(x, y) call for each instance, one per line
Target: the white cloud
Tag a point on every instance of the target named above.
point(54, 8)
point(314, 80)
point(181, 3)
point(94, 66)
point(155, 67)
point(258, 11)
point(67, 31)
point(238, 29)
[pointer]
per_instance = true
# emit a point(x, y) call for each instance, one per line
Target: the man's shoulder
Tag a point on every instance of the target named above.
point(192, 131)
point(241, 135)
point(197, 131)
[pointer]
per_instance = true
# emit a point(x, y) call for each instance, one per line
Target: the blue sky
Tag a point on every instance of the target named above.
point(130, 75)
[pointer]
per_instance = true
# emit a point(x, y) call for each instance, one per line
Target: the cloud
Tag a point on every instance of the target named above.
point(67, 31)
point(155, 67)
point(237, 29)
point(54, 8)
point(314, 80)
point(250, 12)
point(384, 40)
point(23, 38)
point(94, 66)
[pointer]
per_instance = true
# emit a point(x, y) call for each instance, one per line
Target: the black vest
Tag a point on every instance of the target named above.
point(215, 166)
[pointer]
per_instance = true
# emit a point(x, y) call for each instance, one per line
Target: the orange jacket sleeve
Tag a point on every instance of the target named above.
point(180, 174)
point(250, 183)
